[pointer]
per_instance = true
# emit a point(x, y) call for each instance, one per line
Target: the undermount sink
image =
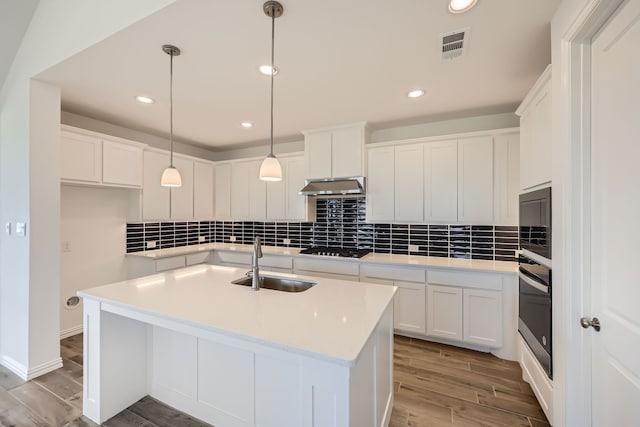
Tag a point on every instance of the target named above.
point(285, 284)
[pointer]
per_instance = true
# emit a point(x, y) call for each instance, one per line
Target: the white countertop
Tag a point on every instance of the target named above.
point(398, 260)
point(332, 320)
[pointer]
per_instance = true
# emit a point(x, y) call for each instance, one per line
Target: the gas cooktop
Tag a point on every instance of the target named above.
point(341, 252)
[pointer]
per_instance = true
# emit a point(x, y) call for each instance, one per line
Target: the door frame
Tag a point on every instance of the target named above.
point(573, 26)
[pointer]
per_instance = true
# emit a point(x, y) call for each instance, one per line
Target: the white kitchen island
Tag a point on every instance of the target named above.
point(231, 356)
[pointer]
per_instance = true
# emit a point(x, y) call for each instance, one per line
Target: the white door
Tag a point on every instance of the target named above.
point(615, 206)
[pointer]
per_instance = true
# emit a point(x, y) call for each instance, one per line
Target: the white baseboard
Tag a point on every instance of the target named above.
point(44, 368)
point(70, 332)
point(28, 374)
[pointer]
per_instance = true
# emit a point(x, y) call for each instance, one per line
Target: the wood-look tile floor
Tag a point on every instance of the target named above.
point(440, 385)
point(435, 385)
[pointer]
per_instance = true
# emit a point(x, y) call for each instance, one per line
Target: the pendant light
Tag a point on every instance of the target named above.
point(171, 176)
point(270, 170)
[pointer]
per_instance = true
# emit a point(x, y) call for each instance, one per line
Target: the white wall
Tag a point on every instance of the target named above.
point(93, 235)
point(29, 129)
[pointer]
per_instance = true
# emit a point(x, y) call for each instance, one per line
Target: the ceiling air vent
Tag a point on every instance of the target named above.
point(453, 44)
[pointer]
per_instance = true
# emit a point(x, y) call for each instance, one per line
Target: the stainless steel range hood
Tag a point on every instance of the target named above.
point(334, 186)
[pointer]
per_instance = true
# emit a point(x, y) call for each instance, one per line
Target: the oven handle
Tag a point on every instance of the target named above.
point(529, 281)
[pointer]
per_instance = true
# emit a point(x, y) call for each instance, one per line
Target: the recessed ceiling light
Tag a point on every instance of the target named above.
point(246, 125)
point(417, 93)
point(460, 6)
point(266, 70)
point(145, 99)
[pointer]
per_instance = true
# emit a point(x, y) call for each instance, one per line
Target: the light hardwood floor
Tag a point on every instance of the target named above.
point(435, 385)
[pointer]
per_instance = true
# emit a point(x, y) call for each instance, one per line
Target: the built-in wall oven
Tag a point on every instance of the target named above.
point(534, 314)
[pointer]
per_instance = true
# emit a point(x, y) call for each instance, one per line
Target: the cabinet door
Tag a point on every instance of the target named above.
point(507, 175)
point(409, 307)
point(296, 204)
point(475, 180)
point(347, 152)
point(277, 196)
point(441, 181)
point(444, 312)
point(318, 154)
point(409, 183)
point(80, 157)
point(541, 139)
point(483, 317)
point(380, 184)
point(241, 173)
point(203, 181)
point(155, 198)
point(223, 191)
point(257, 193)
point(182, 197)
point(527, 151)
point(121, 163)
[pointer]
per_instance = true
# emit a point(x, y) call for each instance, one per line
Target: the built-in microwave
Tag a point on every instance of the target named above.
point(535, 222)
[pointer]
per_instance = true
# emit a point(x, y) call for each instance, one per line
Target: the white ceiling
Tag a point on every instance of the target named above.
point(340, 62)
point(14, 20)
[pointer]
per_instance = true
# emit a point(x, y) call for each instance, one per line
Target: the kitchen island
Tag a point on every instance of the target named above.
point(234, 357)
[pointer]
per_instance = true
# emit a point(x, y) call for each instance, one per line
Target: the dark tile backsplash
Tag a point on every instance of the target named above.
point(339, 222)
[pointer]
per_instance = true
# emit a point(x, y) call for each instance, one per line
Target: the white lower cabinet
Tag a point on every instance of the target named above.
point(444, 312)
point(466, 307)
point(142, 266)
point(331, 269)
point(409, 302)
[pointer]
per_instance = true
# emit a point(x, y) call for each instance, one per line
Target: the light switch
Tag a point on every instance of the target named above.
point(232, 239)
point(201, 238)
point(21, 229)
point(414, 248)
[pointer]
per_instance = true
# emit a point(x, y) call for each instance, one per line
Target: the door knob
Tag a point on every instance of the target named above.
point(585, 322)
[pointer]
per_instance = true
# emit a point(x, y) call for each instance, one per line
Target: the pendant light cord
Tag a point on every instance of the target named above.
point(171, 107)
point(273, 69)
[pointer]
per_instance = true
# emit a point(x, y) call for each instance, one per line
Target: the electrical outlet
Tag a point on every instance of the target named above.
point(7, 228)
point(414, 248)
point(66, 246)
point(232, 239)
point(201, 238)
point(286, 241)
point(151, 244)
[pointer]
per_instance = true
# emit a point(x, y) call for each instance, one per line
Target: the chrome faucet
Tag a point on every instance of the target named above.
point(255, 268)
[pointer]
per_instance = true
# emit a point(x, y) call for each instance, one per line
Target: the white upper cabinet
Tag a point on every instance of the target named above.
point(121, 163)
point(318, 148)
point(295, 176)
point(222, 203)
point(240, 176)
point(380, 184)
point(248, 192)
point(182, 197)
point(475, 180)
point(535, 134)
point(277, 195)
point(506, 151)
point(155, 198)
point(440, 181)
point(80, 157)
point(469, 180)
point(203, 189)
point(409, 183)
point(92, 158)
point(336, 152)
point(257, 193)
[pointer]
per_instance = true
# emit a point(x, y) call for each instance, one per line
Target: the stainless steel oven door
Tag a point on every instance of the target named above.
point(534, 318)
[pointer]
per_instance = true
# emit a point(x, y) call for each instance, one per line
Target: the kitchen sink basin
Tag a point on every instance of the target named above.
point(285, 284)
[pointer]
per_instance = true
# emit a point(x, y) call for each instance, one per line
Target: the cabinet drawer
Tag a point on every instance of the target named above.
point(403, 274)
point(165, 264)
point(241, 258)
point(465, 279)
point(275, 261)
point(198, 258)
point(327, 266)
